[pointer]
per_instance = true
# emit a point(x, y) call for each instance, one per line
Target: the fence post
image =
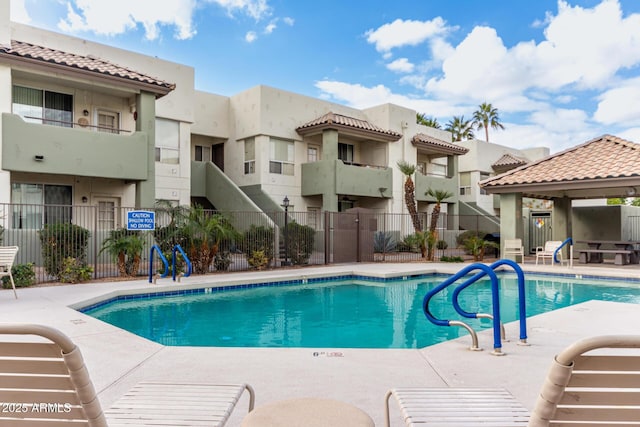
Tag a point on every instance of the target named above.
point(327, 239)
point(95, 241)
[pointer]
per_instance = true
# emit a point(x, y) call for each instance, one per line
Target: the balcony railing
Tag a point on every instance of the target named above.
point(78, 124)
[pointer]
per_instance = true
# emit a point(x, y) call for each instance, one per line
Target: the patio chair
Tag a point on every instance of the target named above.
point(592, 382)
point(7, 258)
point(514, 248)
point(548, 250)
point(44, 381)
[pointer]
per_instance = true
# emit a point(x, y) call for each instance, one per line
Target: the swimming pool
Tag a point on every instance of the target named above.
point(340, 313)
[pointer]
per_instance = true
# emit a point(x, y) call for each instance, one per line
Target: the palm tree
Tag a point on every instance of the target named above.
point(423, 119)
point(439, 195)
point(125, 246)
point(486, 116)
point(410, 199)
point(460, 128)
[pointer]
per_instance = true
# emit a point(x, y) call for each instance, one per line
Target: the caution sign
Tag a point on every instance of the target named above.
point(141, 220)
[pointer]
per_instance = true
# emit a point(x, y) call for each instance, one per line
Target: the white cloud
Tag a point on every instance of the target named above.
point(270, 27)
point(118, 16)
point(250, 37)
point(620, 105)
point(560, 119)
point(19, 12)
point(401, 65)
point(405, 33)
point(288, 20)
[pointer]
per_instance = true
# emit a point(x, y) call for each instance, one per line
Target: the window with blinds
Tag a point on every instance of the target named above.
point(465, 183)
point(281, 158)
point(42, 106)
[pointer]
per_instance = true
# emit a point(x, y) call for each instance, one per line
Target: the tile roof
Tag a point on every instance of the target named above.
point(600, 158)
point(31, 52)
point(431, 143)
point(508, 161)
point(338, 121)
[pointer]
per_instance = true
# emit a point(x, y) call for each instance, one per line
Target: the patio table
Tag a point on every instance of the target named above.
point(622, 247)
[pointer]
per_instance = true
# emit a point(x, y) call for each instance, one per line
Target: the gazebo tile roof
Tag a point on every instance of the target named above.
point(423, 140)
point(508, 160)
point(331, 118)
point(604, 157)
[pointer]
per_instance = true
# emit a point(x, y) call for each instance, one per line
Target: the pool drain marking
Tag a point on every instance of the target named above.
point(328, 353)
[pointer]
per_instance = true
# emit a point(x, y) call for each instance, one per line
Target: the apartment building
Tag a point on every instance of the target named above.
point(88, 124)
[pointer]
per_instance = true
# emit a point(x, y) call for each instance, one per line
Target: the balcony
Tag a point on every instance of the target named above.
point(38, 148)
point(435, 182)
point(335, 177)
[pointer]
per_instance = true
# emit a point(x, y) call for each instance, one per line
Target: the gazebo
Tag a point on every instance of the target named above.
point(604, 167)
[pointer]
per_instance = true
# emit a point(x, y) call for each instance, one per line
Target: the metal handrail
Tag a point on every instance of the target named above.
point(497, 344)
point(164, 261)
point(521, 296)
point(567, 241)
point(178, 248)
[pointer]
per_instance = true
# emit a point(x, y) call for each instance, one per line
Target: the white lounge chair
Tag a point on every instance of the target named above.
point(44, 382)
point(546, 252)
point(513, 247)
point(7, 258)
point(592, 382)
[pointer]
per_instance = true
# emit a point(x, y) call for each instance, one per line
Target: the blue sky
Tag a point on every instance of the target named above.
point(559, 72)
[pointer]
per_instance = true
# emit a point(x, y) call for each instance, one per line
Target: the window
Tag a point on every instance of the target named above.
point(281, 157)
point(249, 156)
point(313, 215)
point(312, 154)
point(167, 141)
point(203, 153)
point(345, 203)
point(483, 176)
point(345, 152)
point(422, 168)
point(437, 169)
point(108, 122)
point(107, 219)
point(28, 209)
point(41, 106)
point(465, 183)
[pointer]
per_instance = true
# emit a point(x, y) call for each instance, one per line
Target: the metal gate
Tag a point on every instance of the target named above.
point(539, 229)
point(352, 235)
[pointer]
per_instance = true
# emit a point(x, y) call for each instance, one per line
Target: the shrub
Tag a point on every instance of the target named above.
point(410, 243)
point(125, 247)
point(1, 233)
point(384, 242)
point(300, 242)
point(74, 271)
point(222, 260)
point(258, 260)
point(61, 241)
point(442, 245)
point(462, 237)
point(23, 275)
point(258, 239)
point(451, 259)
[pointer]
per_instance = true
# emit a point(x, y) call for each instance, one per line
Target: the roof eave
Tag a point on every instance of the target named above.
point(67, 70)
point(376, 135)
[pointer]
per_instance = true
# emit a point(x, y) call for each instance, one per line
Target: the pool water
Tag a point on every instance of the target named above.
point(346, 313)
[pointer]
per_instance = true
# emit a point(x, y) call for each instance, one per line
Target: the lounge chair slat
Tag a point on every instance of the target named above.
point(606, 414)
point(21, 366)
point(8, 422)
point(598, 397)
point(29, 349)
point(43, 396)
point(605, 380)
point(36, 382)
point(595, 363)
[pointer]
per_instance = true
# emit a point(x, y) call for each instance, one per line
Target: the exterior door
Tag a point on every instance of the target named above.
point(218, 156)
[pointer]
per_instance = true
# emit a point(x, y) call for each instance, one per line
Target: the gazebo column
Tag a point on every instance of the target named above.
point(561, 218)
point(511, 224)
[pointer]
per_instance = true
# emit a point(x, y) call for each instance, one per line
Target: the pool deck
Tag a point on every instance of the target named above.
point(118, 359)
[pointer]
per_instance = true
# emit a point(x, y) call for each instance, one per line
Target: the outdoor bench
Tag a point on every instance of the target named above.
point(595, 255)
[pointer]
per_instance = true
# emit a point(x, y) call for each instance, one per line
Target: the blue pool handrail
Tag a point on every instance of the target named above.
point(497, 343)
point(567, 241)
point(162, 258)
point(178, 248)
point(521, 295)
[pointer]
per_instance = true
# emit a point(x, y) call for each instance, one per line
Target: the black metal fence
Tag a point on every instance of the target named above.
point(96, 241)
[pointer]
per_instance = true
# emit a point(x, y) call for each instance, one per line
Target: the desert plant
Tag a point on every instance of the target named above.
point(258, 238)
point(300, 242)
point(222, 261)
point(23, 275)
point(384, 242)
point(451, 259)
point(258, 260)
point(61, 241)
point(476, 246)
point(73, 270)
point(125, 246)
point(442, 244)
point(460, 238)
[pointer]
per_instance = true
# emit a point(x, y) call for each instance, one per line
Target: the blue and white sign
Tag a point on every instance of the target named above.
point(141, 220)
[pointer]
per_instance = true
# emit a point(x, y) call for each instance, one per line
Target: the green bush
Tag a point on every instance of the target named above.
point(300, 242)
point(451, 259)
point(462, 237)
point(23, 275)
point(410, 243)
point(1, 233)
point(74, 271)
point(222, 260)
point(61, 241)
point(258, 239)
point(258, 260)
point(442, 245)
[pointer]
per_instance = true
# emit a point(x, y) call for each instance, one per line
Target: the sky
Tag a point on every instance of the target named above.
point(559, 72)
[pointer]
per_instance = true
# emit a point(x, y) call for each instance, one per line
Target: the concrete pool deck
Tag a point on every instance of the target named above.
point(118, 359)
